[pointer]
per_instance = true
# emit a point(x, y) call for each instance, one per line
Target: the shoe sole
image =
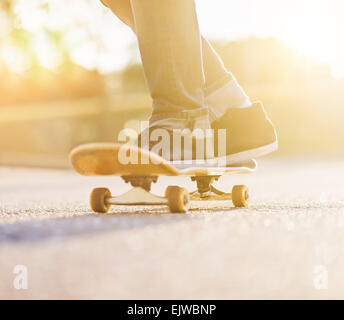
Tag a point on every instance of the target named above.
point(247, 155)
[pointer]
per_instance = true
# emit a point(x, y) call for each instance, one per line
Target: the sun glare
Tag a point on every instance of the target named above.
point(315, 27)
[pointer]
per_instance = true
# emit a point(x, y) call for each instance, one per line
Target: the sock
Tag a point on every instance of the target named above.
point(231, 95)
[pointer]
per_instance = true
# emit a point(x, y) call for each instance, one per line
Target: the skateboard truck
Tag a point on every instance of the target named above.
point(143, 182)
point(206, 191)
point(176, 198)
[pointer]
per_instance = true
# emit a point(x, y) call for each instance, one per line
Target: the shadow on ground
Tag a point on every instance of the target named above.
point(62, 228)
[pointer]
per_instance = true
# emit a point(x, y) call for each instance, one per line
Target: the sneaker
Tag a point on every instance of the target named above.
point(181, 142)
point(249, 134)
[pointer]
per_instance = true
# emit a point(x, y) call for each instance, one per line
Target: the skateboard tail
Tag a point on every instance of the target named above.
point(102, 159)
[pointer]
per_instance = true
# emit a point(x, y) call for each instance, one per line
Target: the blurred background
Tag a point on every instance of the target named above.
point(70, 73)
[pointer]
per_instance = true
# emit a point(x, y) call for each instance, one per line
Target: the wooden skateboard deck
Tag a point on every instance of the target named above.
point(97, 159)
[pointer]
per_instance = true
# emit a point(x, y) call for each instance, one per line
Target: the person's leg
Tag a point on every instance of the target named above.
point(122, 9)
point(221, 89)
point(170, 46)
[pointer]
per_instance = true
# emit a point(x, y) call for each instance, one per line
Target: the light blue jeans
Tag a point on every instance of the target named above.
point(186, 78)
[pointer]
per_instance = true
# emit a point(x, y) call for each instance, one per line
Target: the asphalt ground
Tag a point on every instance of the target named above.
point(288, 244)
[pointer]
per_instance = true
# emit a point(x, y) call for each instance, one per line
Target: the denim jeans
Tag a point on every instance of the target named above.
point(186, 78)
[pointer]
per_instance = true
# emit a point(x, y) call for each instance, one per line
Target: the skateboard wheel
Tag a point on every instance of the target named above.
point(98, 200)
point(240, 196)
point(178, 199)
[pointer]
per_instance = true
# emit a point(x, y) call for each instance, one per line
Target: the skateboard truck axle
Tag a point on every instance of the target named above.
point(176, 198)
point(137, 196)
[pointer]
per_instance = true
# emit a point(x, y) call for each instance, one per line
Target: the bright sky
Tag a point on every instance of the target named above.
point(315, 27)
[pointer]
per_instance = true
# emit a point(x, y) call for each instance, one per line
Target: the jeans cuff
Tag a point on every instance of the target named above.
point(181, 120)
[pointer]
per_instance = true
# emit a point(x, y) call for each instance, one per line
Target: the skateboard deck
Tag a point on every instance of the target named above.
point(97, 159)
point(103, 159)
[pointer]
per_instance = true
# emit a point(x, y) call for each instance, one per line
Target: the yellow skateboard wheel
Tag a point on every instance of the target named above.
point(98, 200)
point(240, 196)
point(178, 199)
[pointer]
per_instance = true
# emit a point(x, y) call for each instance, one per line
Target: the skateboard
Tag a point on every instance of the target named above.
point(102, 159)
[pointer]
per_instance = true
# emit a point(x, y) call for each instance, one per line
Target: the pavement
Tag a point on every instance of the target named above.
point(288, 244)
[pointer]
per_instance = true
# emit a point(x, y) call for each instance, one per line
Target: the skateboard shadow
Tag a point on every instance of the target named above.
point(59, 229)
